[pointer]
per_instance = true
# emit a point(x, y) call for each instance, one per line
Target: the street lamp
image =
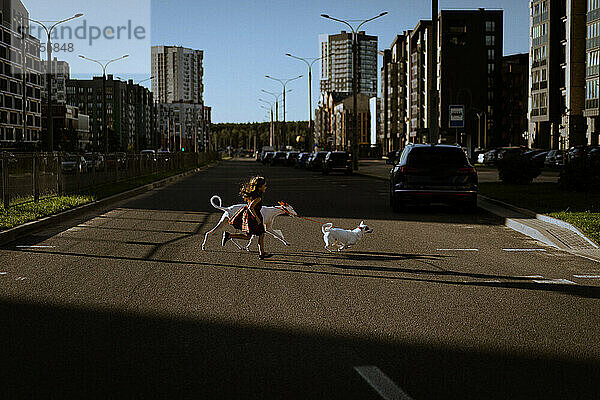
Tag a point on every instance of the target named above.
point(104, 66)
point(271, 130)
point(283, 83)
point(309, 62)
point(276, 96)
point(49, 74)
point(354, 136)
point(479, 128)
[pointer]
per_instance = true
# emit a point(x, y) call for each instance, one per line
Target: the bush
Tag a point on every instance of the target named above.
point(517, 169)
point(581, 174)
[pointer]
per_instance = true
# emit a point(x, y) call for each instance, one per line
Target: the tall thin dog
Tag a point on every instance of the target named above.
point(268, 214)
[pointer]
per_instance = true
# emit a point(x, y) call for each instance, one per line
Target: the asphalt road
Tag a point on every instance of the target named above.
point(435, 303)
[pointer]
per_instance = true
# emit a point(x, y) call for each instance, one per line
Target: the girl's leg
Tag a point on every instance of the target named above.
point(261, 244)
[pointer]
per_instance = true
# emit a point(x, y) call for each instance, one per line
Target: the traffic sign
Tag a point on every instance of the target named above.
point(457, 116)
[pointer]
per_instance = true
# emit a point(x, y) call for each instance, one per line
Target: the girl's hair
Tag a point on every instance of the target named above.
point(249, 190)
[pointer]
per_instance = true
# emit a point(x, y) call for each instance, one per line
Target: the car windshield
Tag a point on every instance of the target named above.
point(338, 156)
point(436, 156)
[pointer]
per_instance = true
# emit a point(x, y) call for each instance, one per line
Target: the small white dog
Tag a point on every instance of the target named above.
point(268, 214)
point(343, 238)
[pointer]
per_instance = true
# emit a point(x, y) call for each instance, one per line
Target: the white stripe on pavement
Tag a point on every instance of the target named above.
point(379, 381)
point(457, 249)
point(36, 247)
point(556, 281)
point(524, 249)
point(587, 276)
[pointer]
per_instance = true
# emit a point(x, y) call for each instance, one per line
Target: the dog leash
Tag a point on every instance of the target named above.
point(283, 204)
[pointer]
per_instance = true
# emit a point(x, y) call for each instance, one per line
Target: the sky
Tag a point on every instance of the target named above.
point(245, 40)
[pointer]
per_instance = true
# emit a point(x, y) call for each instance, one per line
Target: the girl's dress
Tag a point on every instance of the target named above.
point(245, 221)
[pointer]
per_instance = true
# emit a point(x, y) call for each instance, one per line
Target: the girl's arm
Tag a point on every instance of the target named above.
point(251, 208)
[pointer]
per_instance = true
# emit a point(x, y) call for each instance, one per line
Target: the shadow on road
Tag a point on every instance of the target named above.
point(52, 351)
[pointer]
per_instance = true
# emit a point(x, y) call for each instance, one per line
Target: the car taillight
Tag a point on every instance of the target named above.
point(407, 170)
point(465, 171)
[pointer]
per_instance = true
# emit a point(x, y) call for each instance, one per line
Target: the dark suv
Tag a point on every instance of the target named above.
point(337, 161)
point(429, 173)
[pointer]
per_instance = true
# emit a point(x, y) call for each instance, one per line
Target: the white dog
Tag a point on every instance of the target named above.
point(268, 214)
point(343, 238)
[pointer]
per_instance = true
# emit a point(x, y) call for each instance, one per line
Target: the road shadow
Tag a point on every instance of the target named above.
point(53, 351)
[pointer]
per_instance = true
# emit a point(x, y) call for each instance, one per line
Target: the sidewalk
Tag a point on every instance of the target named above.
point(553, 232)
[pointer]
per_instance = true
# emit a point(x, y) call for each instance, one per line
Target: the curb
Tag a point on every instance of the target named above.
point(532, 232)
point(18, 232)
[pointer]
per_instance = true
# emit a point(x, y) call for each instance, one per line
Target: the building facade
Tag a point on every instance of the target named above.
point(61, 73)
point(515, 89)
point(592, 73)
point(20, 80)
point(477, 36)
point(184, 126)
point(129, 112)
point(336, 63)
point(178, 74)
point(557, 94)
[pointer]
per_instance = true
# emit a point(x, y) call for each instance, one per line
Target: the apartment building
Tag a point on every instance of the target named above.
point(592, 73)
point(558, 72)
point(129, 112)
point(420, 82)
point(178, 74)
point(61, 73)
point(183, 126)
point(20, 81)
point(336, 63)
point(515, 90)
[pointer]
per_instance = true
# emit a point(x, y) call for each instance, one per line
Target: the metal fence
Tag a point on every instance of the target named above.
point(28, 177)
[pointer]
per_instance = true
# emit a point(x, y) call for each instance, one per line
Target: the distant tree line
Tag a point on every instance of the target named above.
point(241, 135)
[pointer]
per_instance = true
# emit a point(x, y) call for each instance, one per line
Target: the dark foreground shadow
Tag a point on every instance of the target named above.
point(56, 352)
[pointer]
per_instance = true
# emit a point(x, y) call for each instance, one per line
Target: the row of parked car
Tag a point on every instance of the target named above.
point(324, 161)
point(542, 157)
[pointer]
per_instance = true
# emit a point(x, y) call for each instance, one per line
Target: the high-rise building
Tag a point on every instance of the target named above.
point(558, 71)
point(61, 73)
point(336, 63)
point(515, 90)
point(20, 81)
point(420, 82)
point(177, 73)
point(129, 112)
point(476, 36)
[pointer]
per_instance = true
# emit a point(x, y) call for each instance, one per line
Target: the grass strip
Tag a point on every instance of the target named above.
point(19, 214)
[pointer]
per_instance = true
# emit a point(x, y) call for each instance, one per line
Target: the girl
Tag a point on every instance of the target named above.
point(249, 219)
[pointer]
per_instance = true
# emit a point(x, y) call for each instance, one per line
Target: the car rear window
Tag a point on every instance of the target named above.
point(339, 156)
point(436, 156)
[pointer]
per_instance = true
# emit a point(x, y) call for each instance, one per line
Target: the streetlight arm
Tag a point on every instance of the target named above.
point(371, 19)
point(65, 20)
point(90, 59)
point(116, 59)
point(339, 20)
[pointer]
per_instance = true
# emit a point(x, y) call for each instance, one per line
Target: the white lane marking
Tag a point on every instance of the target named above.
point(556, 281)
point(379, 381)
point(524, 249)
point(3, 273)
point(531, 276)
point(587, 276)
point(36, 247)
point(457, 249)
point(21, 278)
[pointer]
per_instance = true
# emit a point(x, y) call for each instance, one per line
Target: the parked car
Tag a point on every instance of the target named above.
point(148, 155)
point(73, 163)
point(554, 159)
point(490, 157)
point(429, 173)
point(594, 153)
point(290, 159)
point(392, 157)
point(577, 152)
point(268, 156)
point(316, 161)
point(302, 160)
point(94, 160)
point(163, 156)
point(540, 158)
point(507, 152)
point(337, 161)
point(279, 158)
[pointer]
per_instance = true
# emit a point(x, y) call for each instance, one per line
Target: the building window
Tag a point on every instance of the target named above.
point(490, 26)
point(491, 68)
point(490, 40)
point(593, 62)
point(491, 54)
point(592, 89)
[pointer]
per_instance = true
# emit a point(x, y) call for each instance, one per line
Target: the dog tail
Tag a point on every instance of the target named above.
point(215, 205)
point(326, 227)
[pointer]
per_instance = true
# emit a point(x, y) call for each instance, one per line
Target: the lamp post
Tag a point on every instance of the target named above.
point(479, 128)
point(49, 74)
point(276, 96)
point(272, 128)
point(354, 136)
point(283, 83)
point(104, 66)
point(309, 62)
